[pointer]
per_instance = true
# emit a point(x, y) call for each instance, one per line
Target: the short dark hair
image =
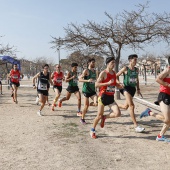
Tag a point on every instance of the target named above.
point(45, 65)
point(109, 59)
point(15, 64)
point(90, 60)
point(132, 56)
point(74, 65)
point(169, 60)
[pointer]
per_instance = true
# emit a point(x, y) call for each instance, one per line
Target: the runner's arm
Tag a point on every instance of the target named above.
point(101, 77)
point(35, 77)
point(50, 80)
point(22, 75)
point(161, 76)
point(68, 78)
point(123, 70)
point(85, 73)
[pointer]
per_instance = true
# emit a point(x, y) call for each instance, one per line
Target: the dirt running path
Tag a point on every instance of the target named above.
point(57, 141)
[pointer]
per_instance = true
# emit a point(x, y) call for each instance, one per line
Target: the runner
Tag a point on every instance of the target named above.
point(106, 82)
point(14, 77)
point(131, 82)
point(88, 78)
point(42, 86)
point(164, 101)
point(72, 79)
point(57, 78)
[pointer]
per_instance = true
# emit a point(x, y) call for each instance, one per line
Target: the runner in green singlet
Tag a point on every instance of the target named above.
point(72, 80)
point(131, 82)
point(88, 78)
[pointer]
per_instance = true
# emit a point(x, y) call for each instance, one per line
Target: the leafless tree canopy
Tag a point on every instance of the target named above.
point(134, 29)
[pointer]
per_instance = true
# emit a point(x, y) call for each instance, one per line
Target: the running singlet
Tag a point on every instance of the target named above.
point(109, 90)
point(43, 81)
point(130, 79)
point(89, 87)
point(15, 76)
point(57, 78)
point(73, 82)
point(165, 89)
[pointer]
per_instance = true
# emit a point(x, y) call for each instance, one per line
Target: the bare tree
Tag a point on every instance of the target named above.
point(134, 29)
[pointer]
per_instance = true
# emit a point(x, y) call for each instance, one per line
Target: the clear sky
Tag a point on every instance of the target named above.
point(29, 24)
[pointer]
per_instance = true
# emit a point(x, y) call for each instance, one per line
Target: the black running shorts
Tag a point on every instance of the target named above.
point(131, 90)
point(89, 94)
point(163, 97)
point(43, 92)
point(72, 89)
point(58, 87)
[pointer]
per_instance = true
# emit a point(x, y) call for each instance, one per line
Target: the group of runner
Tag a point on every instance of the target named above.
point(107, 82)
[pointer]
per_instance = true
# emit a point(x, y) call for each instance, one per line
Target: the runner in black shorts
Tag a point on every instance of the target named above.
point(131, 82)
point(42, 86)
point(72, 79)
point(88, 78)
point(164, 102)
point(14, 77)
point(57, 78)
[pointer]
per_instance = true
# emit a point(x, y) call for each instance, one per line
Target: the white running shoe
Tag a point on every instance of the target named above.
point(39, 113)
point(37, 100)
point(139, 129)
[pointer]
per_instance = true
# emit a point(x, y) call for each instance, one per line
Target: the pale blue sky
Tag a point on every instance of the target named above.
point(29, 24)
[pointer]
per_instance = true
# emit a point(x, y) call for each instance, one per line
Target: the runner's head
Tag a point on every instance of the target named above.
point(15, 67)
point(74, 67)
point(133, 59)
point(58, 67)
point(110, 62)
point(45, 67)
point(91, 62)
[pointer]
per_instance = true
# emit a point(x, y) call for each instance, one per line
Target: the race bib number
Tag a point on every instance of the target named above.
point(75, 80)
point(42, 86)
point(59, 80)
point(15, 76)
point(110, 89)
point(133, 80)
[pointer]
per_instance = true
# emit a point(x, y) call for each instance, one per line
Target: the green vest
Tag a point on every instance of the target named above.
point(73, 82)
point(89, 87)
point(130, 79)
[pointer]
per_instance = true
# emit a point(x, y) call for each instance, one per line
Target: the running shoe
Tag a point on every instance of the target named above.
point(162, 138)
point(59, 103)
point(145, 113)
point(53, 105)
point(83, 121)
point(39, 113)
point(37, 100)
point(139, 129)
point(79, 113)
point(102, 121)
point(93, 134)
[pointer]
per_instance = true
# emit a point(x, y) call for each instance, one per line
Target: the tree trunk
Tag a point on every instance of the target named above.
point(117, 93)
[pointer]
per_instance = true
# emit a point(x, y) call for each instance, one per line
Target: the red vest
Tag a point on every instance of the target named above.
point(57, 78)
point(165, 89)
point(110, 89)
point(15, 76)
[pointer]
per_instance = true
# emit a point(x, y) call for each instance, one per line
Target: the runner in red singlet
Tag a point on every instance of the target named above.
point(164, 101)
point(57, 78)
point(14, 76)
point(106, 82)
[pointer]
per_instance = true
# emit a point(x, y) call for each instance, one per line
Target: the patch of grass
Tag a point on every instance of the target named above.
point(70, 125)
